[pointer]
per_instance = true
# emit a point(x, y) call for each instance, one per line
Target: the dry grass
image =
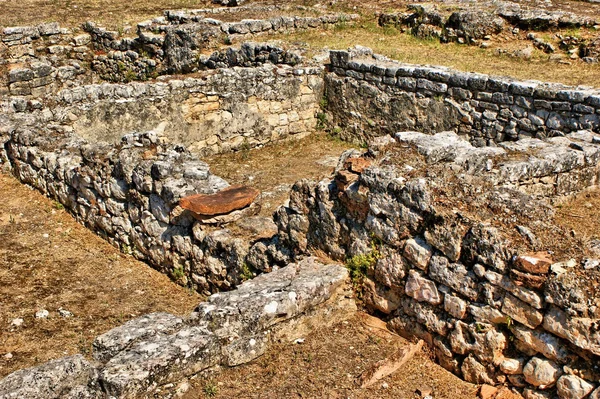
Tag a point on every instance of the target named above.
point(580, 214)
point(407, 48)
point(274, 169)
point(72, 13)
point(49, 261)
point(327, 365)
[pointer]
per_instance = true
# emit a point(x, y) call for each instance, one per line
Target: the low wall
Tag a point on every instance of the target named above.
point(438, 236)
point(369, 95)
point(152, 356)
point(230, 109)
point(129, 194)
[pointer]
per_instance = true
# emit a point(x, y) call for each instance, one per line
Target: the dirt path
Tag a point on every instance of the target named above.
point(327, 364)
point(49, 261)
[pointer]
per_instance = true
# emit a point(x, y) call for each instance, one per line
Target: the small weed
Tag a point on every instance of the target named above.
point(323, 103)
point(246, 272)
point(359, 265)
point(178, 273)
point(57, 205)
point(130, 75)
point(126, 249)
point(321, 120)
point(227, 40)
point(210, 389)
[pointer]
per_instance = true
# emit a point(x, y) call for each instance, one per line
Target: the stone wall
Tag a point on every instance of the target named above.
point(129, 194)
point(152, 356)
point(369, 95)
point(477, 22)
point(438, 236)
point(40, 60)
point(37, 60)
point(218, 111)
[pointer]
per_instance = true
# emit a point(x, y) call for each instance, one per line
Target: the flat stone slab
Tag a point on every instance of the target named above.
point(223, 202)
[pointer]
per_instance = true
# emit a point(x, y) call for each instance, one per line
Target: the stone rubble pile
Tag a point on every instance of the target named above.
point(473, 23)
point(151, 355)
point(436, 236)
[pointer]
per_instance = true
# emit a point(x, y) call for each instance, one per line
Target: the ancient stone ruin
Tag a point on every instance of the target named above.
point(444, 221)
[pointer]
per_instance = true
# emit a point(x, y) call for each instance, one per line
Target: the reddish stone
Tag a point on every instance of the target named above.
point(344, 178)
point(536, 262)
point(487, 391)
point(357, 165)
point(225, 201)
point(528, 280)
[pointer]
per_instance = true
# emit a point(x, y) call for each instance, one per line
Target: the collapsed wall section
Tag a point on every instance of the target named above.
point(438, 236)
point(369, 95)
point(153, 355)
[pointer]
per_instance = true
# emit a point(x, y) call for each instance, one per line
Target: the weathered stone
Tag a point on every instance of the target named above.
point(541, 342)
point(380, 297)
point(572, 387)
point(422, 289)
point(161, 360)
point(581, 332)
point(114, 341)
point(418, 252)
point(475, 372)
point(537, 262)
point(521, 312)
point(454, 275)
point(225, 201)
point(50, 380)
point(541, 373)
point(511, 366)
point(455, 306)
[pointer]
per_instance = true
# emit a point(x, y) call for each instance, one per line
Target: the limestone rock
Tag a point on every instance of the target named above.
point(422, 289)
point(541, 373)
point(521, 312)
point(537, 262)
point(582, 332)
point(455, 306)
point(541, 342)
point(475, 372)
point(114, 341)
point(48, 381)
point(418, 252)
point(572, 387)
point(225, 201)
point(159, 360)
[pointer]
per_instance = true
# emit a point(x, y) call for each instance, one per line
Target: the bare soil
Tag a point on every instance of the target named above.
point(327, 365)
point(275, 168)
point(49, 261)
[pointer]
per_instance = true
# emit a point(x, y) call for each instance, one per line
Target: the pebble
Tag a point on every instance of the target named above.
point(18, 322)
point(42, 314)
point(64, 313)
point(591, 264)
point(8, 356)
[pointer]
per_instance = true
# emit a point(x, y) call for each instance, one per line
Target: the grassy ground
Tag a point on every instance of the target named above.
point(49, 261)
point(72, 13)
point(407, 48)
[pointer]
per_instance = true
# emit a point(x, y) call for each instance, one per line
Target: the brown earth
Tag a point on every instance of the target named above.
point(49, 261)
point(328, 363)
point(275, 168)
